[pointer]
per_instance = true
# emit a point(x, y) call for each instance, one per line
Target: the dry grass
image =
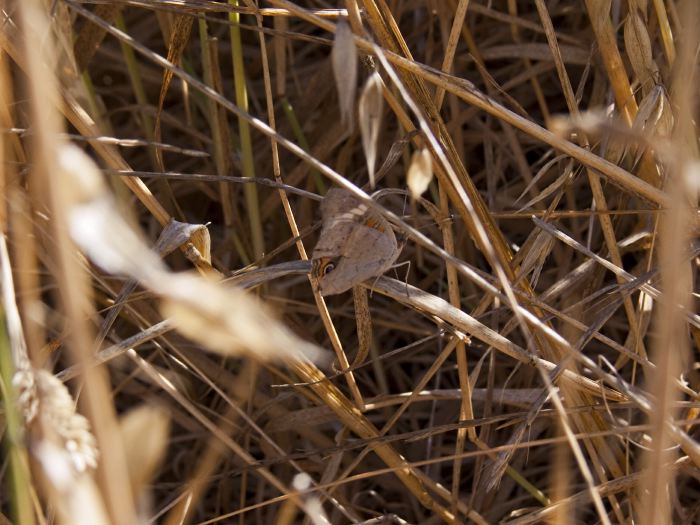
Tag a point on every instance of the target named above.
point(538, 364)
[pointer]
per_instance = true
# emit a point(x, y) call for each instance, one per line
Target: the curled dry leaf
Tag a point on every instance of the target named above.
point(420, 172)
point(193, 238)
point(176, 233)
point(344, 59)
point(201, 241)
point(371, 107)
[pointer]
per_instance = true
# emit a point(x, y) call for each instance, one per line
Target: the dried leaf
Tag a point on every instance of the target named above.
point(179, 36)
point(176, 233)
point(654, 115)
point(363, 320)
point(664, 121)
point(344, 58)
point(91, 35)
point(539, 250)
point(371, 106)
point(420, 172)
point(638, 48)
point(196, 239)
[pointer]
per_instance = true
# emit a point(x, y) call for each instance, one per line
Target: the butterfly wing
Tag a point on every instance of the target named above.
point(336, 202)
point(369, 254)
point(358, 241)
point(339, 220)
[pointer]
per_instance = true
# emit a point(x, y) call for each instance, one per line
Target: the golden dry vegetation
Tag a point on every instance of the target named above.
point(166, 354)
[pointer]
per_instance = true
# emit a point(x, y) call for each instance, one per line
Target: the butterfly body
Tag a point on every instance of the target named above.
point(356, 243)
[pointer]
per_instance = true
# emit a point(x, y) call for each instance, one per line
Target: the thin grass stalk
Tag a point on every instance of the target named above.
point(361, 426)
point(16, 224)
point(220, 138)
point(549, 346)
point(247, 156)
point(20, 479)
point(280, 57)
point(466, 410)
point(624, 96)
point(591, 159)
point(468, 92)
point(465, 92)
point(209, 462)
point(95, 109)
point(132, 68)
point(527, 63)
point(299, 135)
point(666, 32)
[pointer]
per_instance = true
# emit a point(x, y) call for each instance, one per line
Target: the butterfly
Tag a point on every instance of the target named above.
point(356, 243)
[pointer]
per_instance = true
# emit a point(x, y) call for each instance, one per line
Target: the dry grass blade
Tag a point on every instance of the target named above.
point(229, 321)
point(364, 324)
point(178, 38)
point(442, 310)
point(91, 36)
